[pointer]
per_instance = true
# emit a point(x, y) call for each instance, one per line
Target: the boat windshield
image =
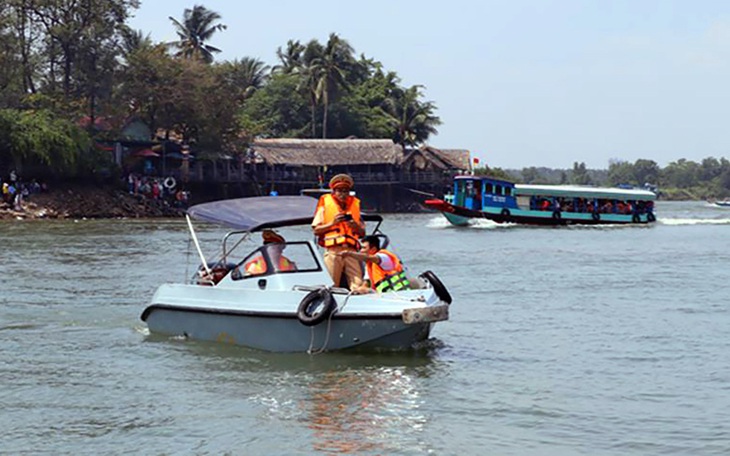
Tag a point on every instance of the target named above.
point(277, 258)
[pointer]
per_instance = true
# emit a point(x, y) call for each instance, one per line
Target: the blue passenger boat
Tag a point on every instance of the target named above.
point(502, 201)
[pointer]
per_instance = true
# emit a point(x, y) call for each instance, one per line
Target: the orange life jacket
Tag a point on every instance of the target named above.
point(341, 233)
point(383, 280)
point(257, 266)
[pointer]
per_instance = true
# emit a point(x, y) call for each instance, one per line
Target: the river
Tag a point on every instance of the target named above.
point(562, 341)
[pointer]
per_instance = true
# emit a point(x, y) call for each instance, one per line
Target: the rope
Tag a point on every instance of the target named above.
point(329, 327)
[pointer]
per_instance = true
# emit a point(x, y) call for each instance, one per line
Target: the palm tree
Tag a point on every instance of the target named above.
point(246, 75)
point(291, 58)
point(413, 121)
point(196, 29)
point(309, 77)
point(329, 71)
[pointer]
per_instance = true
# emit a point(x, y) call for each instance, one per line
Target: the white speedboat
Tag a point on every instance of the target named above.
point(296, 310)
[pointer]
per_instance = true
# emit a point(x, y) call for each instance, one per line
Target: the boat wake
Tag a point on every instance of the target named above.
point(690, 221)
point(484, 224)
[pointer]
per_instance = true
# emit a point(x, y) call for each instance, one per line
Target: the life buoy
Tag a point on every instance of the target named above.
point(650, 217)
point(596, 216)
point(556, 215)
point(316, 307)
point(505, 212)
point(635, 218)
point(438, 287)
point(169, 183)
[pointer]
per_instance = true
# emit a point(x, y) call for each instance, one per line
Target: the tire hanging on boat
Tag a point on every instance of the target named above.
point(438, 287)
point(316, 307)
point(505, 212)
point(650, 217)
point(556, 215)
point(596, 216)
point(635, 218)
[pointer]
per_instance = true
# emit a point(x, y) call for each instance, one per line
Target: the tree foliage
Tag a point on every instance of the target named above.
point(32, 137)
point(194, 32)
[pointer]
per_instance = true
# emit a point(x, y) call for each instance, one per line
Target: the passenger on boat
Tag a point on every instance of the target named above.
point(385, 269)
point(338, 226)
point(275, 245)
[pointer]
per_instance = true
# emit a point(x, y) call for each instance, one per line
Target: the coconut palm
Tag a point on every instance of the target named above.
point(413, 121)
point(309, 78)
point(245, 75)
point(290, 58)
point(330, 72)
point(196, 29)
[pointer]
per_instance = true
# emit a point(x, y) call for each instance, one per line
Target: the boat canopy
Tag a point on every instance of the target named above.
point(584, 191)
point(257, 213)
point(261, 212)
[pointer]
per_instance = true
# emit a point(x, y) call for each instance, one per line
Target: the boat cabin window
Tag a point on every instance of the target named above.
point(277, 259)
point(488, 188)
point(497, 189)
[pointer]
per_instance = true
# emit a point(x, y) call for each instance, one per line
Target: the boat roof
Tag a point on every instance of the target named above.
point(261, 212)
point(483, 178)
point(584, 191)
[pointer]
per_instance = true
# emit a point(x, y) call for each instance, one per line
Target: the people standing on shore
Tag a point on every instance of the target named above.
point(338, 226)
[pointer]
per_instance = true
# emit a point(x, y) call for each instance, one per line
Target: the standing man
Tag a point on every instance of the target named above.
point(385, 269)
point(338, 226)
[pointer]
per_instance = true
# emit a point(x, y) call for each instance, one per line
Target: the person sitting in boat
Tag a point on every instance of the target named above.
point(385, 269)
point(338, 226)
point(275, 245)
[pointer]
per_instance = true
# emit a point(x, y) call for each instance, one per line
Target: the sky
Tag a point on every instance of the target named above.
point(520, 83)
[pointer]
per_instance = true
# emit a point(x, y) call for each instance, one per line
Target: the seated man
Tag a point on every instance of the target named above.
point(384, 268)
point(275, 245)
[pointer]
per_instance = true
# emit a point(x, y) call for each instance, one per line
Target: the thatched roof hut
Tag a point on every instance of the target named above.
point(328, 152)
point(431, 158)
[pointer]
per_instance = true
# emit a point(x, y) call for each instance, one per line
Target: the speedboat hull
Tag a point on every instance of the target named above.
point(285, 333)
point(270, 321)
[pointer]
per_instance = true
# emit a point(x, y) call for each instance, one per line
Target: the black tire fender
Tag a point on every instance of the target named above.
point(635, 218)
point(596, 216)
point(438, 286)
point(316, 307)
point(556, 215)
point(505, 212)
point(650, 217)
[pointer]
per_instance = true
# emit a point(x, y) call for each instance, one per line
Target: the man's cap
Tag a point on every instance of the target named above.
point(342, 181)
point(271, 236)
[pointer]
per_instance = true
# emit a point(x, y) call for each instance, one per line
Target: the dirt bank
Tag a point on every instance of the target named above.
point(87, 201)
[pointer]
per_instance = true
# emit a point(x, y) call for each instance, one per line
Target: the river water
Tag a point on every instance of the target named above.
point(562, 341)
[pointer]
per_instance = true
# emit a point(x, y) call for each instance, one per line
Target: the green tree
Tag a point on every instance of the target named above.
point(681, 174)
point(645, 171)
point(194, 32)
point(75, 35)
point(277, 110)
point(328, 71)
point(32, 137)
point(580, 174)
point(620, 172)
point(243, 77)
point(290, 58)
point(530, 175)
point(412, 120)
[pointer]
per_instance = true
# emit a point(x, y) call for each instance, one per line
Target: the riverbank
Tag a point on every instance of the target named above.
point(87, 201)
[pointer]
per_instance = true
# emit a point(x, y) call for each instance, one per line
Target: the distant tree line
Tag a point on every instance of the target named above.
point(62, 61)
point(681, 179)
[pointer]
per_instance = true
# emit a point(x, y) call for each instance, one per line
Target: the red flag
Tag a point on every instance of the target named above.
point(476, 161)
